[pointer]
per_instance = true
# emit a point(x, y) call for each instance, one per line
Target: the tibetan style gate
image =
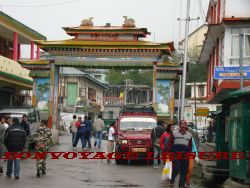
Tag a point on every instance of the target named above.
point(104, 47)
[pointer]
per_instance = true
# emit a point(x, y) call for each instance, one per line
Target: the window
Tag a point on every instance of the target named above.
point(247, 45)
point(235, 46)
point(201, 91)
point(221, 59)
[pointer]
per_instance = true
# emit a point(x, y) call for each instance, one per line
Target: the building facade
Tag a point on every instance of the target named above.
point(198, 100)
point(80, 93)
point(226, 21)
point(13, 77)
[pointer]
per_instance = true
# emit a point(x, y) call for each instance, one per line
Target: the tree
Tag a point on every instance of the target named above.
point(115, 77)
point(139, 77)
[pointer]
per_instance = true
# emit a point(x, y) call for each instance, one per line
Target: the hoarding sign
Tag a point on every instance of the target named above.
point(42, 93)
point(163, 97)
point(231, 72)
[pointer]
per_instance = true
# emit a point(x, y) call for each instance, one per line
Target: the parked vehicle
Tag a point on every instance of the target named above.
point(18, 112)
point(133, 129)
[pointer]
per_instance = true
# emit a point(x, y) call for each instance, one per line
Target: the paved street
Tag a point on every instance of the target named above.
point(87, 173)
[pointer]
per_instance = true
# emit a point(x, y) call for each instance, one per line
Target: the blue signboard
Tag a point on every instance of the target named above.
point(231, 73)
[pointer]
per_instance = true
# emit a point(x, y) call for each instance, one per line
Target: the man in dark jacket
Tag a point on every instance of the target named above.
point(14, 140)
point(155, 137)
point(88, 132)
point(80, 134)
point(25, 124)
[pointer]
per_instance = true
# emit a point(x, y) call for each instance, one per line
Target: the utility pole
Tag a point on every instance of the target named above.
point(179, 99)
point(241, 36)
point(195, 106)
point(185, 60)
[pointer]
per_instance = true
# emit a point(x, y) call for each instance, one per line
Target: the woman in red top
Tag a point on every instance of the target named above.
point(164, 139)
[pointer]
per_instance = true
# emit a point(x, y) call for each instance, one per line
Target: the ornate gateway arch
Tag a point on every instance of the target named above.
point(102, 47)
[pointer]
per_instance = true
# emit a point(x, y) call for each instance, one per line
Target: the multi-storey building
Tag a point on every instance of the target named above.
point(227, 19)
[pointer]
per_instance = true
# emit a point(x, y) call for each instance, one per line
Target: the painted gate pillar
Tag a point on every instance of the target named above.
point(164, 77)
point(53, 100)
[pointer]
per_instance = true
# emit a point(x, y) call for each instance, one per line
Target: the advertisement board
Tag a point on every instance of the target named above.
point(42, 93)
point(163, 88)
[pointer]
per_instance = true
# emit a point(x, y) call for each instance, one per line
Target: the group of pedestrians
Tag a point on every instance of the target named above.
point(170, 140)
point(15, 137)
point(81, 130)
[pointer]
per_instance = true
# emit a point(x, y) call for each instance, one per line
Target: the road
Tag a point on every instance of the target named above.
point(87, 173)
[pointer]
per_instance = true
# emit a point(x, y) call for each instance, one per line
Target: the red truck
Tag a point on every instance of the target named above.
point(133, 130)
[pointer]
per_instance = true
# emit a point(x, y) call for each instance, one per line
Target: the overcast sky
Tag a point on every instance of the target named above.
point(159, 16)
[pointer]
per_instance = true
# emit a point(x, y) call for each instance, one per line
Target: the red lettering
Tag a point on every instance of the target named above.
point(66, 155)
point(190, 155)
point(222, 156)
point(23, 155)
point(150, 156)
point(9, 155)
point(40, 155)
point(179, 155)
point(85, 155)
point(167, 155)
point(115, 154)
point(99, 155)
point(238, 155)
point(204, 155)
point(55, 155)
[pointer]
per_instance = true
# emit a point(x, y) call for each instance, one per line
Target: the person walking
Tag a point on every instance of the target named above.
point(191, 162)
point(25, 124)
point(73, 128)
point(111, 140)
point(2, 148)
point(14, 140)
point(155, 137)
point(180, 141)
point(164, 139)
point(81, 131)
point(88, 132)
point(98, 127)
point(43, 140)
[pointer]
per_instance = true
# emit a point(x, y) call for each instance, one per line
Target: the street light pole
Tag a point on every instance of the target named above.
point(185, 60)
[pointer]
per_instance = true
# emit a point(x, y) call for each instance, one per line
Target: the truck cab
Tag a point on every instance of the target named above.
point(133, 130)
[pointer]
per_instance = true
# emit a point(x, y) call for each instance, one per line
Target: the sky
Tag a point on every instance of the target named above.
point(159, 16)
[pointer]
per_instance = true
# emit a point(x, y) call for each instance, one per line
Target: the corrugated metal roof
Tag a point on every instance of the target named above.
point(75, 72)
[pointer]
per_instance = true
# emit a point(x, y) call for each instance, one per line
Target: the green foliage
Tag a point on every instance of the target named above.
point(197, 73)
point(117, 77)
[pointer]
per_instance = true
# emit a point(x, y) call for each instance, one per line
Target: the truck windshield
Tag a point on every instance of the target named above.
point(137, 123)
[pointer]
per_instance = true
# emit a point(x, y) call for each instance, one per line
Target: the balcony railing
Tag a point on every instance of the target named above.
point(113, 101)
